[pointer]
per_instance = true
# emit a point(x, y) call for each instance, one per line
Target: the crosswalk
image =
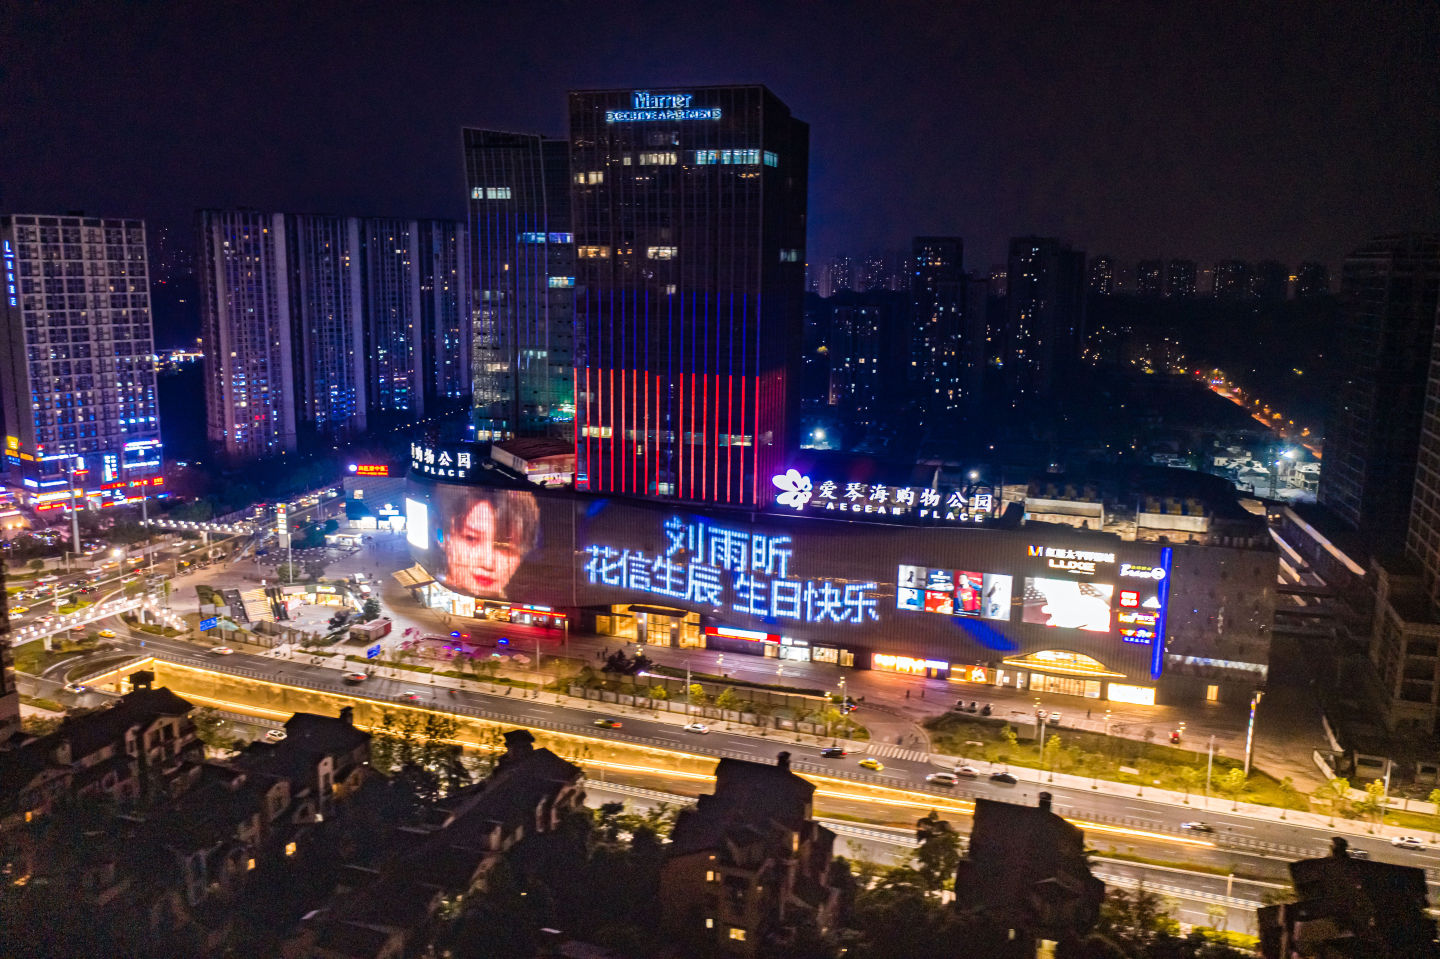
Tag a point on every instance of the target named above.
point(887, 751)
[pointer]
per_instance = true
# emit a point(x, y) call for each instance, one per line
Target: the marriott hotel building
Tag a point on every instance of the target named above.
point(688, 210)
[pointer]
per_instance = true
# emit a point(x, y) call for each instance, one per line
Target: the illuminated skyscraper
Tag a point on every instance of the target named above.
point(947, 340)
point(77, 368)
point(1232, 280)
point(1312, 279)
point(689, 216)
point(522, 265)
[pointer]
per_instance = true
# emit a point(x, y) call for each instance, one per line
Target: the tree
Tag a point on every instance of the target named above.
point(421, 752)
point(1374, 802)
point(210, 728)
point(658, 694)
point(1051, 752)
point(371, 609)
point(315, 568)
point(1340, 794)
point(1232, 784)
point(1290, 796)
point(697, 695)
point(938, 854)
point(37, 564)
point(727, 701)
point(1135, 917)
point(1190, 777)
point(1434, 799)
point(288, 572)
point(1218, 915)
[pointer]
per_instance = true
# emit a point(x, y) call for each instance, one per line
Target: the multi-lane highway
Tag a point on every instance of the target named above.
point(1114, 814)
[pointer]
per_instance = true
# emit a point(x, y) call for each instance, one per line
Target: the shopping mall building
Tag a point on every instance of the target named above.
point(1060, 591)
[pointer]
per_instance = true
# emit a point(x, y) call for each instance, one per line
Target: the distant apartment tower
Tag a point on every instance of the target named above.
point(841, 275)
point(1102, 276)
point(1045, 317)
point(1232, 280)
point(937, 291)
point(688, 209)
point(1270, 281)
point(1312, 279)
point(1150, 279)
point(314, 323)
point(522, 263)
point(77, 368)
point(414, 323)
point(1389, 292)
point(1180, 279)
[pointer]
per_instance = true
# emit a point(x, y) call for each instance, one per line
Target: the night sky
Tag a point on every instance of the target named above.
point(1204, 130)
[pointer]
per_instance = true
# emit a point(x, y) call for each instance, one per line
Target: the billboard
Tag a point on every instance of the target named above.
point(967, 596)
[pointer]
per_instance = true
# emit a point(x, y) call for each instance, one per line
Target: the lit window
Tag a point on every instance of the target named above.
point(659, 159)
point(249, 864)
point(562, 282)
point(669, 289)
point(709, 875)
point(290, 849)
point(661, 252)
point(727, 157)
point(562, 237)
point(592, 252)
point(709, 923)
point(1212, 693)
point(771, 158)
point(737, 933)
point(789, 256)
point(591, 177)
point(497, 193)
point(532, 238)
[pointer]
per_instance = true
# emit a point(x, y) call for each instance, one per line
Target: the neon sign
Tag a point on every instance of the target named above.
point(10, 273)
point(798, 492)
point(731, 569)
point(1082, 561)
point(370, 469)
point(661, 106)
point(434, 461)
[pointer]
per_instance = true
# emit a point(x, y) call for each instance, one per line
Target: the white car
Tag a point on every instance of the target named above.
point(943, 779)
point(969, 772)
point(274, 735)
point(222, 651)
point(1407, 842)
point(696, 728)
point(1054, 719)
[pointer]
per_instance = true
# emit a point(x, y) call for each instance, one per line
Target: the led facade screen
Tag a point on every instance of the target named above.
point(822, 582)
point(1067, 603)
point(953, 592)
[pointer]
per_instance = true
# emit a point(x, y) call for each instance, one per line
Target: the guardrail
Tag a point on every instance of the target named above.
point(1131, 882)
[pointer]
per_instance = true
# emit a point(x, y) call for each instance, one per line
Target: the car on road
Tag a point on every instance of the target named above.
point(608, 723)
point(74, 688)
point(870, 762)
point(1197, 826)
point(410, 696)
point(833, 752)
point(696, 728)
point(1003, 778)
point(106, 634)
point(87, 590)
point(274, 735)
point(1407, 842)
point(1054, 718)
point(354, 679)
point(968, 772)
point(222, 650)
point(17, 610)
point(943, 779)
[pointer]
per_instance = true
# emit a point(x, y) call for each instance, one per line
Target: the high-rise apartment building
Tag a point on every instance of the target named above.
point(688, 209)
point(1102, 276)
point(1312, 279)
point(1150, 279)
point(413, 299)
point(77, 367)
point(841, 276)
point(522, 265)
point(1045, 317)
point(1231, 280)
point(1389, 293)
point(1180, 279)
point(947, 332)
point(314, 323)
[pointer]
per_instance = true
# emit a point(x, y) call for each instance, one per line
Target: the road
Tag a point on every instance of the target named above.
point(1258, 846)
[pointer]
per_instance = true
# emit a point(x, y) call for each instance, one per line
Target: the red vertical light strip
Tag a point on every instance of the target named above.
point(575, 399)
point(756, 459)
point(729, 430)
point(610, 421)
point(680, 440)
point(705, 437)
point(589, 421)
point(645, 434)
point(627, 464)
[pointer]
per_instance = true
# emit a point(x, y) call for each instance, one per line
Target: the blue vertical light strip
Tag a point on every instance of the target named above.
point(1157, 651)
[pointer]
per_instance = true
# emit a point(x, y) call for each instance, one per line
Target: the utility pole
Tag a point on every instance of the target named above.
point(1250, 729)
point(74, 513)
point(689, 706)
point(1209, 767)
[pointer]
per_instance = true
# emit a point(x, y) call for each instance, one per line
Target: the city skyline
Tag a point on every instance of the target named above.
point(1249, 175)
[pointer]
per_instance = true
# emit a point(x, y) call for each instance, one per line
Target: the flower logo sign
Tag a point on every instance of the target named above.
point(794, 488)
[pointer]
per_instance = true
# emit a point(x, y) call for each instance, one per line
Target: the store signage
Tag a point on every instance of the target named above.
point(1081, 561)
point(282, 519)
point(905, 664)
point(1139, 571)
point(441, 462)
point(661, 106)
point(797, 491)
point(731, 569)
point(10, 269)
point(208, 623)
point(370, 469)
